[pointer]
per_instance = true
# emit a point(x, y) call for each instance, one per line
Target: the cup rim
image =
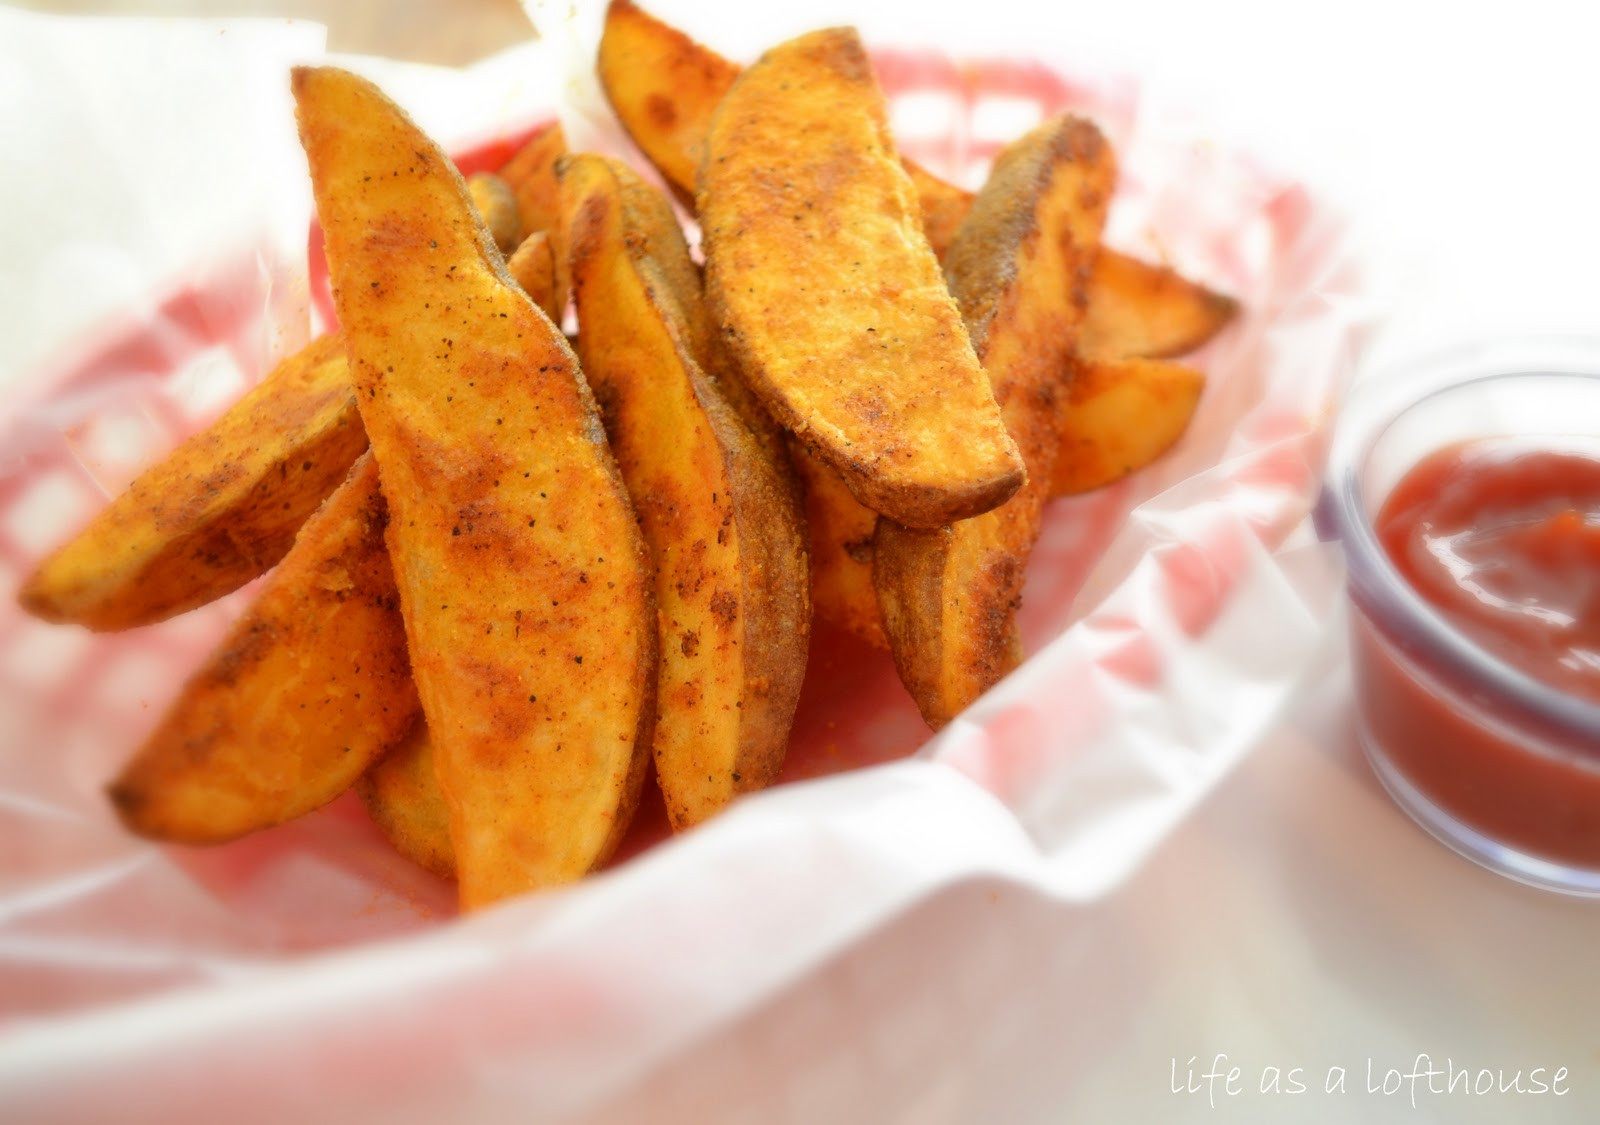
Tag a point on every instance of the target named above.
point(1375, 584)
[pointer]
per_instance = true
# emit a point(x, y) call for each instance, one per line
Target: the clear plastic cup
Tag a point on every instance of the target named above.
point(1498, 765)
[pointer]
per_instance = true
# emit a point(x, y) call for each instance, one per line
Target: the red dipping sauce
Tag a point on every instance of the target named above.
point(1500, 536)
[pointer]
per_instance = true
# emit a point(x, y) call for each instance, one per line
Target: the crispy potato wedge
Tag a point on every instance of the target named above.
point(497, 207)
point(402, 795)
point(949, 596)
point(841, 531)
point(665, 86)
point(533, 268)
point(531, 172)
point(719, 508)
point(523, 578)
point(828, 296)
point(944, 207)
point(309, 688)
point(220, 510)
point(1136, 309)
point(1120, 416)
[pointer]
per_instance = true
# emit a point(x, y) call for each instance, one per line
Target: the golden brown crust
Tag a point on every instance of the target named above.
point(828, 297)
point(949, 597)
point(720, 512)
point(522, 575)
point(218, 511)
point(310, 686)
point(1137, 309)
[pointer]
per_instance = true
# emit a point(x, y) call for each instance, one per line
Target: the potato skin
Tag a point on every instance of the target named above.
point(310, 686)
point(217, 512)
point(829, 298)
point(717, 503)
point(523, 578)
point(949, 596)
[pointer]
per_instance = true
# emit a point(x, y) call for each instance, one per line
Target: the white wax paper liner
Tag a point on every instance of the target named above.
point(310, 973)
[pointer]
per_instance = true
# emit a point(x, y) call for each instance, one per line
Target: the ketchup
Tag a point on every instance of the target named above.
point(1502, 537)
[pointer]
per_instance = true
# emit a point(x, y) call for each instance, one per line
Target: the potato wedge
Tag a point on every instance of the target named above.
point(828, 296)
point(310, 687)
point(218, 511)
point(523, 577)
point(402, 795)
point(533, 267)
point(497, 207)
point(531, 172)
point(841, 532)
point(949, 596)
point(1136, 309)
point(664, 87)
point(719, 508)
point(1120, 416)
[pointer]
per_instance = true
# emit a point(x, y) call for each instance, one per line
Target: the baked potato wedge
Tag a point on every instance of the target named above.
point(531, 173)
point(218, 511)
point(841, 532)
point(1137, 309)
point(402, 795)
point(310, 687)
point(719, 508)
point(523, 578)
point(664, 87)
point(533, 267)
point(497, 207)
point(1120, 416)
point(828, 297)
point(949, 595)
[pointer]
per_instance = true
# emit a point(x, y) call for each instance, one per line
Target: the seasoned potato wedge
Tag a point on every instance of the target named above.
point(218, 511)
point(828, 296)
point(533, 268)
point(944, 207)
point(1136, 309)
point(664, 87)
point(310, 687)
point(719, 508)
point(1120, 416)
point(497, 207)
point(841, 532)
point(523, 578)
point(949, 595)
point(402, 795)
point(531, 172)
